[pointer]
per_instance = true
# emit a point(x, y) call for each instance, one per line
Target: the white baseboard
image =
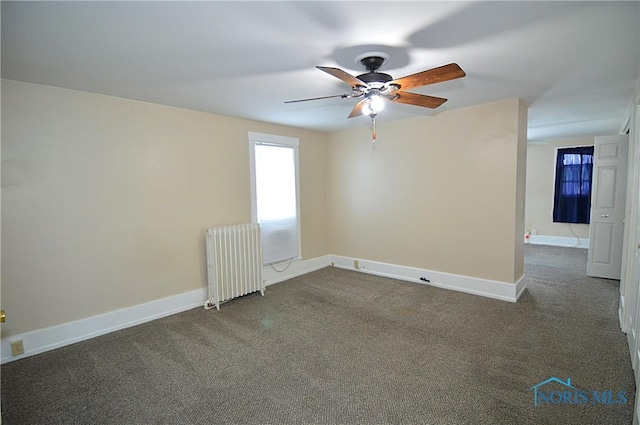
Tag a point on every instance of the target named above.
point(559, 241)
point(296, 268)
point(42, 340)
point(473, 285)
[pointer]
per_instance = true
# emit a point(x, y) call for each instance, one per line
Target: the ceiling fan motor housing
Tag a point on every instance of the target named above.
point(371, 64)
point(375, 77)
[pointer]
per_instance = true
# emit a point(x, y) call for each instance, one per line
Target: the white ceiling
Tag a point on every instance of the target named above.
point(574, 64)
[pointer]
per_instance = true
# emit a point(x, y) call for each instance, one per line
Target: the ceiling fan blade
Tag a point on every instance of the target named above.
point(357, 109)
point(418, 99)
point(344, 96)
point(342, 75)
point(431, 76)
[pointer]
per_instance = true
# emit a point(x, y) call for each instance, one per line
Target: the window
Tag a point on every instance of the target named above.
point(572, 197)
point(274, 195)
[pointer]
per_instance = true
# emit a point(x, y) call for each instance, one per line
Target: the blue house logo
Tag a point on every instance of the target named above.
point(546, 393)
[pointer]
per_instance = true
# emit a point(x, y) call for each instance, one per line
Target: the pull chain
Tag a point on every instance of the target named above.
point(373, 120)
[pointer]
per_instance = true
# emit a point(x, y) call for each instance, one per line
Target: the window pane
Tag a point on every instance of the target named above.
point(275, 182)
point(576, 174)
point(571, 159)
point(572, 196)
point(275, 202)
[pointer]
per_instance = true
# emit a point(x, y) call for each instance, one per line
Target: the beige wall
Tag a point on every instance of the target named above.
point(541, 162)
point(105, 200)
point(442, 193)
point(521, 185)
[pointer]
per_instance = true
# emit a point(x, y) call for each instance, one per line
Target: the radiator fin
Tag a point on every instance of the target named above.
point(234, 262)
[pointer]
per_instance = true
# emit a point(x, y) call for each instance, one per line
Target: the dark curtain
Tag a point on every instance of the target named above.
point(572, 197)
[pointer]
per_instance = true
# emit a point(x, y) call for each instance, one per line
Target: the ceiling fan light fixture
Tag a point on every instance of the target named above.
point(374, 104)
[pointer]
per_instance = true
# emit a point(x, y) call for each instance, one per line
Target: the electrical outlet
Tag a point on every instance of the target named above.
point(17, 348)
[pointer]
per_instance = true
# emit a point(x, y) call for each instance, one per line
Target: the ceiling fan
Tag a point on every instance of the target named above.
point(376, 87)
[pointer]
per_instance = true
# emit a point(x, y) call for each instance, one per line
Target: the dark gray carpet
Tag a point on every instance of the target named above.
point(339, 347)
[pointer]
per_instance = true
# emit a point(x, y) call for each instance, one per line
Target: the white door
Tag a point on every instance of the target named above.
point(629, 294)
point(632, 334)
point(630, 299)
point(608, 191)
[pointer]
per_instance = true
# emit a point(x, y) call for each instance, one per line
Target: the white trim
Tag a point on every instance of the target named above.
point(262, 138)
point(472, 285)
point(252, 179)
point(621, 309)
point(295, 269)
point(559, 241)
point(273, 139)
point(280, 141)
point(41, 340)
point(628, 115)
point(537, 142)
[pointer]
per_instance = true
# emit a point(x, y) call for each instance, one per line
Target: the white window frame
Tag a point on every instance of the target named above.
point(275, 140)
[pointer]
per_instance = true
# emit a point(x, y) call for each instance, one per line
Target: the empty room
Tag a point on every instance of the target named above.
point(320, 212)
